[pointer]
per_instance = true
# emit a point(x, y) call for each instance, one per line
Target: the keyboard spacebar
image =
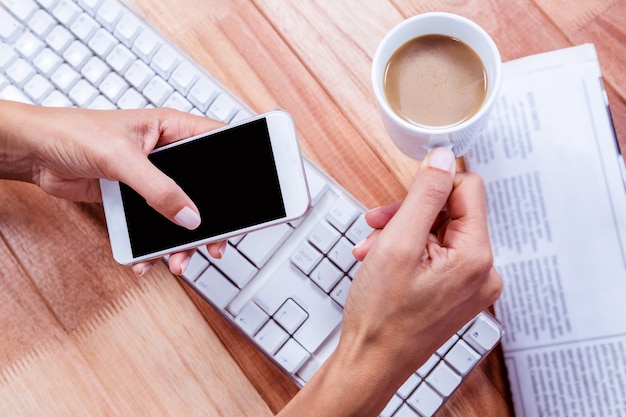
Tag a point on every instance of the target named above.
point(324, 314)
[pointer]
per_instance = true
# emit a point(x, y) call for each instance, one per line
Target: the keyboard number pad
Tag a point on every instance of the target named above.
point(427, 389)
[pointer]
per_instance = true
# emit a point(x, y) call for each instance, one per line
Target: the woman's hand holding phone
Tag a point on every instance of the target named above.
point(68, 163)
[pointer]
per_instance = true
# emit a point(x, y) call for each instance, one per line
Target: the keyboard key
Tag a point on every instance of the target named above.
point(447, 345)
point(47, 4)
point(22, 9)
point(84, 27)
point(178, 102)
point(90, 6)
point(290, 316)
point(258, 246)
point(409, 385)
point(482, 334)
point(183, 77)
point(102, 103)
point(164, 61)
point(251, 318)
point(82, 93)
point(223, 108)
point(444, 379)
point(324, 236)
point(59, 38)
point(197, 265)
point(12, 93)
point(203, 93)
point(10, 28)
point(56, 99)
point(428, 365)
point(41, 23)
point(146, 45)
point(108, 13)
point(47, 61)
point(65, 11)
point(341, 254)
point(462, 357)
point(317, 185)
point(406, 411)
point(138, 74)
point(127, 28)
point(234, 265)
point(95, 70)
point(120, 58)
point(157, 90)
point(216, 287)
point(341, 290)
point(28, 45)
point(77, 54)
point(342, 214)
point(102, 43)
point(38, 88)
point(7, 55)
point(391, 407)
point(19, 72)
point(326, 275)
point(359, 230)
point(271, 337)
point(425, 400)
point(291, 356)
point(306, 257)
point(113, 86)
point(131, 99)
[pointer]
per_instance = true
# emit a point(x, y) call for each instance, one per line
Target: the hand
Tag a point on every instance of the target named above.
point(427, 270)
point(65, 151)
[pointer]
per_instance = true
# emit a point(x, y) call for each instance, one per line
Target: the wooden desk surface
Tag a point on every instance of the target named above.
point(82, 335)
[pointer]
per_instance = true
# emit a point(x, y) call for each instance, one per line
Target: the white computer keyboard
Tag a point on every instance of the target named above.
point(283, 287)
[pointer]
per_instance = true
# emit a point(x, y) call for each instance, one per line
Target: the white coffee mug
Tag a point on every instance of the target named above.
point(417, 140)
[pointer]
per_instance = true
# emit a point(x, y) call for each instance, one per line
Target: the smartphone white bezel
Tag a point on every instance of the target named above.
point(291, 177)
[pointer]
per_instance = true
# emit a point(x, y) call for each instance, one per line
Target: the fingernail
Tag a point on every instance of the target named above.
point(441, 158)
point(187, 218)
point(222, 248)
point(141, 269)
point(358, 245)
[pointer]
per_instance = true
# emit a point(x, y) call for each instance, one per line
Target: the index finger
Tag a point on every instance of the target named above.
point(467, 213)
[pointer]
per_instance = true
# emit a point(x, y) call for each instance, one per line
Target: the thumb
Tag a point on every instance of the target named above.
point(160, 192)
point(426, 198)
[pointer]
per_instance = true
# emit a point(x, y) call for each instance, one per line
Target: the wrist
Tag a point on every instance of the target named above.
point(358, 379)
point(16, 154)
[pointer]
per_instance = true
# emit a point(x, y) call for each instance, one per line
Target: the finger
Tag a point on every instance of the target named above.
point(179, 261)
point(142, 268)
point(431, 187)
point(362, 248)
point(134, 169)
point(217, 249)
point(380, 216)
point(176, 125)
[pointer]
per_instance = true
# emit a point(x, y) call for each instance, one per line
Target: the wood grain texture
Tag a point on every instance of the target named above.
point(83, 336)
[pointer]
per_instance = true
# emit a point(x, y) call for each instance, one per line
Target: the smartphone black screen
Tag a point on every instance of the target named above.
point(230, 175)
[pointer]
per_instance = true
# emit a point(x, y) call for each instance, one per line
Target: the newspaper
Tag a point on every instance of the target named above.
point(556, 201)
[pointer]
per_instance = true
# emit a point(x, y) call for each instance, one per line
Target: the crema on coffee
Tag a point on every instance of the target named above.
point(435, 81)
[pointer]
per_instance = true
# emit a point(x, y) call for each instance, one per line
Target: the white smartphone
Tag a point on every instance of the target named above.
point(242, 177)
